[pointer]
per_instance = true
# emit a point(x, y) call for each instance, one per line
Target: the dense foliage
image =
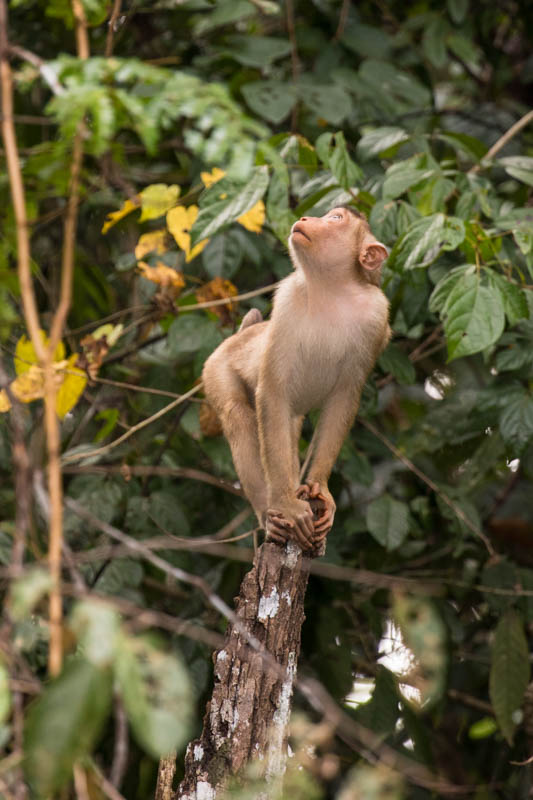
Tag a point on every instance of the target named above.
point(208, 129)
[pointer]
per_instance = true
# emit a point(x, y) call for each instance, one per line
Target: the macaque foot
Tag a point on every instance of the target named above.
point(323, 507)
point(291, 521)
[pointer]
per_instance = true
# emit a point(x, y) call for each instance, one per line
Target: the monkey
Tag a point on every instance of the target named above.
point(329, 323)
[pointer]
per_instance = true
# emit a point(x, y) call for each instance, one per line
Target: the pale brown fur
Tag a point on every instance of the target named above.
point(329, 324)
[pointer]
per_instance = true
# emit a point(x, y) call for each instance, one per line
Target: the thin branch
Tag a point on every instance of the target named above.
point(47, 73)
point(69, 459)
point(432, 485)
point(343, 18)
point(172, 472)
point(53, 439)
point(121, 749)
point(503, 140)
point(169, 569)
point(111, 28)
point(134, 388)
point(295, 60)
point(226, 300)
point(29, 303)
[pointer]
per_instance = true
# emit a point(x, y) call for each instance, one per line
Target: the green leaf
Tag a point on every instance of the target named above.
point(63, 725)
point(439, 297)
point(457, 9)
point(96, 626)
point(380, 714)
point(190, 333)
point(223, 212)
point(474, 317)
point(514, 298)
point(434, 42)
point(424, 240)
point(156, 692)
point(278, 209)
point(380, 139)
point(347, 173)
point(223, 255)
point(331, 102)
point(27, 591)
point(394, 360)
point(516, 420)
point(400, 177)
point(483, 728)
point(520, 167)
point(272, 100)
point(509, 672)
point(387, 520)
point(256, 51)
point(425, 634)
point(514, 357)
point(462, 142)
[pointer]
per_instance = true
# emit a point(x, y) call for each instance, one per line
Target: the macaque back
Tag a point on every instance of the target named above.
point(329, 324)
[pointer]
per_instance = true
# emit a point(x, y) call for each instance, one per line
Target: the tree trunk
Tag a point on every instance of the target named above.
point(248, 714)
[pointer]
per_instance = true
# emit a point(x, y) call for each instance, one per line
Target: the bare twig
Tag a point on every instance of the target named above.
point(226, 300)
point(80, 783)
point(17, 192)
point(343, 18)
point(111, 28)
point(47, 74)
point(295, 60)
point(120, 754)
point(503, 140)
point(432, 485)
point(106, 448)
point(173, 472)
point(165, 777)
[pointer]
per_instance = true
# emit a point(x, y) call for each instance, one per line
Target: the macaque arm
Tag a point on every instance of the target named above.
point(335, 421)
point(287, 515)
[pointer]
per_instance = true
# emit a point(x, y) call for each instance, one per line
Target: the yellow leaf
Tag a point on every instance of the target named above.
point(253, 220)
point(162, 275)
point(72, 386)
point(124, 210)
point(25, 355)
point(209, 178)
point(5, 405)
point(180, 221)
point(153, 242)
point(29, 385)
point(157, 199)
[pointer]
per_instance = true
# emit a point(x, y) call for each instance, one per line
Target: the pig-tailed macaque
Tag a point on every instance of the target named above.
point(329, 324)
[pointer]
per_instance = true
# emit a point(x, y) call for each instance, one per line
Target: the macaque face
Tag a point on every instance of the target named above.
point(339, 238)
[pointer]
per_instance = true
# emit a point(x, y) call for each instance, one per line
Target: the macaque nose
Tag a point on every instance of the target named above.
point(303, 219)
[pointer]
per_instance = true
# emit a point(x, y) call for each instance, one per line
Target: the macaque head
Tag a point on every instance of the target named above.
point(340, 243)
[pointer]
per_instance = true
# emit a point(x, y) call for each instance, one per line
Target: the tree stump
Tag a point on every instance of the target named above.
point(248, 714)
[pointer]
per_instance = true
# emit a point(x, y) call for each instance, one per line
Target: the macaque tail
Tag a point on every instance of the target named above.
point(250, 318)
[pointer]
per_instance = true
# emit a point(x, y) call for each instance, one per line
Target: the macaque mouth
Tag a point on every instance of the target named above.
point(297, 229)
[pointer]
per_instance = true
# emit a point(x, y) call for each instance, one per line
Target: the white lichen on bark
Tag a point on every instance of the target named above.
point(268, 606)
point(276, 754)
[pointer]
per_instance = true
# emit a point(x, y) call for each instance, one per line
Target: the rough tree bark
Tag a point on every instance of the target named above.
point(248, 714)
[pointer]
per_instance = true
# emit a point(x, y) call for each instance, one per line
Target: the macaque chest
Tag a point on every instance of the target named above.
point(323, 357)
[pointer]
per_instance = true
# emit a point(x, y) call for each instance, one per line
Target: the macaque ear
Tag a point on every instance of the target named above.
point(372, 255)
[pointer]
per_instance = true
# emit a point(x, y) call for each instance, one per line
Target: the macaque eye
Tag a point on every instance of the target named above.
point(335, 216)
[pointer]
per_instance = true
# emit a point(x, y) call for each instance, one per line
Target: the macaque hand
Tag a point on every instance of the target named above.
point(291, 519)
point(325, 505)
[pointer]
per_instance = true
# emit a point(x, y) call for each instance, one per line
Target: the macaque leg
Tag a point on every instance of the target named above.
point(287, 515)
point(239, 423)
point(335, 421)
